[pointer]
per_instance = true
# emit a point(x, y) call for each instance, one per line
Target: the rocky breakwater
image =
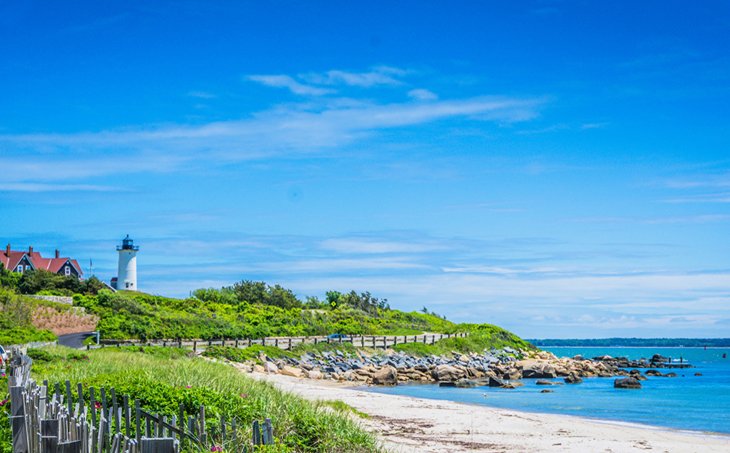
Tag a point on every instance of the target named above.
point(496, 368)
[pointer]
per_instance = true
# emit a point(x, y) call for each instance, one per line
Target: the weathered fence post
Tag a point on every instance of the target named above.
point(158, 445)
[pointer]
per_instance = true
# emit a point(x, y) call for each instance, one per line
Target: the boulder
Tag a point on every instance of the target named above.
point(512, 385)
point(698, 374)
point(653, 373)
point(258, 369)
point(538, 370)
point(466, 383)
point(544, 382)
point(546, 391)
point(270, 367)
point(447, 373)
point(494, 382)
point(385, 376)
point(670, 375)
point(627, 383)
point(573, 378)
point(314, 374)
point(287, 370)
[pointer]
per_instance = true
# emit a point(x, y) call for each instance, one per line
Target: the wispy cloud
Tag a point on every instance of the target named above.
point(719, 197)
point(201, 95)
point(375, 246)
point(285, 81)
point(43, 187)
point(380, 75)
point(422, 94)
point(300, 129)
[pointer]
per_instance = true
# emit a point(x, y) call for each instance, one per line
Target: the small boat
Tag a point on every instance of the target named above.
point(677, 363)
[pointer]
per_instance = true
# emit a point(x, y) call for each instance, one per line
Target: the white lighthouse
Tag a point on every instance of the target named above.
point(127, 270)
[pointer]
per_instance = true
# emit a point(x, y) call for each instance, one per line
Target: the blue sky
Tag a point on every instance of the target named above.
point(558, 168)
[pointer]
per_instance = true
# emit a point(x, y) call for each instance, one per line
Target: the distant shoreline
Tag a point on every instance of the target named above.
point(616, 342)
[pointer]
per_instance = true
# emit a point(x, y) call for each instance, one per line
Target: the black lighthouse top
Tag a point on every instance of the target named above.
point(127, 244)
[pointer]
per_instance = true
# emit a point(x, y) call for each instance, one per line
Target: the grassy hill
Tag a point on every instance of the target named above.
point(126, 315)
point(246, 309)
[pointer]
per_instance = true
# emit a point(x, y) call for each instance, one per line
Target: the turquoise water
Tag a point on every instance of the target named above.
point(686, 402)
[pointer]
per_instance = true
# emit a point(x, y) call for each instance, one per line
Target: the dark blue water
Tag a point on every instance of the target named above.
point(686, 402)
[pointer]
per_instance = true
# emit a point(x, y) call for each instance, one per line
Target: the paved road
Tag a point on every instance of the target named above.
point(74, 340)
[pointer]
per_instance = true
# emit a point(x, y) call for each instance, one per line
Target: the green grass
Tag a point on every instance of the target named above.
point(343, 407)
point(163, 378)
point(481, 337)
point(126, 315)
point(303, 348)
point(251, 353)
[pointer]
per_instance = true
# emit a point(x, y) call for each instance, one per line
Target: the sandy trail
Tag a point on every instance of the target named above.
point(405, 424)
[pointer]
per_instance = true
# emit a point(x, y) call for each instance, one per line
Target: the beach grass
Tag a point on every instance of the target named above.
point(163, 378)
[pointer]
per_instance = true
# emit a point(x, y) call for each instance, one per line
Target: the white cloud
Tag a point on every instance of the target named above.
point(720, 197)
point(43, 187)
point(285, 131)
point(364, 246)
point(285, 81)
point(422, 94)
point(382, 75)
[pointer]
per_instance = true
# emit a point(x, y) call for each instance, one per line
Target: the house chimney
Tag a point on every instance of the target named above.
point(57, 253)
point(7, 250)
point(30, 249)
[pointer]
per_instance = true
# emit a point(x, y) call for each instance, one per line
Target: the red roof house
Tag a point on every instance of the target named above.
point(23, 261)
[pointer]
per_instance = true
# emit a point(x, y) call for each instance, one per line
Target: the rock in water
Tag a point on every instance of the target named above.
point(544, 382)
point(627, 383)
point(546, 391)
point(466, 383)
point(494, 382)
point(385, 376)
point(447, 373)
point(573, 379)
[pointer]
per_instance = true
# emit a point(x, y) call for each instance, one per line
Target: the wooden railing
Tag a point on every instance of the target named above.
point(287, 343)
point(71, 420)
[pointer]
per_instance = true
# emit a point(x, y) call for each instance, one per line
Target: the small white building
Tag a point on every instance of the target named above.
point(127, 271)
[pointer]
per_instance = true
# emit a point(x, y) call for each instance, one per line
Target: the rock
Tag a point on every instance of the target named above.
point(512, 385)
point(573, 378)
point(466, 383)
point(670, 375)
point(494, 382)
point(653, 373)
point(385, 376)
point(447, 384)
point(698, 374)
point(270, 368)
point(512, 374)
point(546, 391)
point(258, 369)
point(447, 373)
point(538, 370)
point(627, 383)
point(314, 374)
point(287, 370)
point(544, 382)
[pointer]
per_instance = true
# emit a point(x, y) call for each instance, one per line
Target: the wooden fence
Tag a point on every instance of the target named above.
point(71, 419)
point(287, 343)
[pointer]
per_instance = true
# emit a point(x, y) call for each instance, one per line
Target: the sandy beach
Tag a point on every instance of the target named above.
point(405, 424)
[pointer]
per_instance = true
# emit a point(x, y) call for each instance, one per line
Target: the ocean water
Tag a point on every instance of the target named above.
point(687, 402)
